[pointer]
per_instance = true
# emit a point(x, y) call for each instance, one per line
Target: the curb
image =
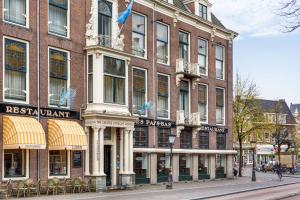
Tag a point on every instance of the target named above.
point(285, 196)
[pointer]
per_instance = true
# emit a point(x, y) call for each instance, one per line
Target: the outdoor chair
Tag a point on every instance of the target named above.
point(87, 185)
point(60, 185)
point(51, 187)
point(32, 187)
point(77, 184)
point(5, 189)
point(69, 185)
point(21, 188)
point(43, 186)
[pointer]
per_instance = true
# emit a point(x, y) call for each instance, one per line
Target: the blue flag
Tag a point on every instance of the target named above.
point(122, 18)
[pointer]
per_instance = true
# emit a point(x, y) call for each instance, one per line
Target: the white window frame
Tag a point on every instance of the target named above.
point(26, 15)
point(168, 26)
point(68, 22)
point(223, 47)
point(146, 88)
point(169, 93)
point(206, 122)
point(146, 37)
point(26, 168)
point(203, 39)
point(69, 74)
point(87, 77)
point(190, 96)
point(27, 71)
point(224, 101)
point(189, 42)
point(68, 164)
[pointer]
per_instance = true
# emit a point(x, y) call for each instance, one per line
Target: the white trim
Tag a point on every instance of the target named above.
point(169, 55)
point(87, 77)
point(206, 85)
point(68, 165)
point(223, 47)
point(187, 151)
point(27, 18)
point(169, 94)
point(224, 99)
point(145, 36)
point(207, 52)
point(27, 71)
point(146, 88)
point(69, 74)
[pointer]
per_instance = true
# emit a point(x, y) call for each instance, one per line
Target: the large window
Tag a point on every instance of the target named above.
point(202, 103)
point(221, 141)
point(139, 91)
point(219, 62)
point(138, 35)
point(203, 140)
point(15, 163)
point(104, 22)
point(186, 139)
point(162, 43)
point(203, 164)
point(163, 96)
point(58, 163)
point(202, 11)
point(58, 75)
point(16, 67)
point(184, 46)
point(90, 78)
point(15, 11)
point(114, 80)
point(202, 56)
point(220, 107)
point(58, 17)
point(184, 97)
point(163, 137)
point(140, 136)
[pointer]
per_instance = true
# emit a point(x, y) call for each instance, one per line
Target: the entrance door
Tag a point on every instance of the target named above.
point(107, 164)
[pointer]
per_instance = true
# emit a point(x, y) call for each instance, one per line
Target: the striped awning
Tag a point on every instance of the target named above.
point(63, 134)
point(23, 132)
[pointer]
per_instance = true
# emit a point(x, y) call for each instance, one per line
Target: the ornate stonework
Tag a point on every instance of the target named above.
point(91, 28)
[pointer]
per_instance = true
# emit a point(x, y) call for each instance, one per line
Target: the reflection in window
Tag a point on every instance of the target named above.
point(221, 141)
point(220, 108)
point(202, 56)
point(184, 46)
point(203, 140)
point(104, 22)
point(162, 41)
point(15, 11)
point(140, 136)
point(138, 35)
point(202, 102)
point(163, 96)
point(58, 17)
point(14, 163)
point(219, 62)
point(139, 91)
point(163, 137)
point(58, 163)
point(203, 11)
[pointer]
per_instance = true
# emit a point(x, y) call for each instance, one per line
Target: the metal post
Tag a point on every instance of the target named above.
point(253, 168)
point(170, 184)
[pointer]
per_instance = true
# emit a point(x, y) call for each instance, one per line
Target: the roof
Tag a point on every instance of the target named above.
point(268, 106)
point(295, 108)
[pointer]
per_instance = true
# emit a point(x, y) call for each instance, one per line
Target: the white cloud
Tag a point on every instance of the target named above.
point(254, 18)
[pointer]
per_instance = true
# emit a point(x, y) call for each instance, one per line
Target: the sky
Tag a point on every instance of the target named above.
point(262, 52)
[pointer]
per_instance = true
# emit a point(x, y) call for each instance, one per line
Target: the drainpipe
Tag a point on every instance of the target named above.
point(154, 70)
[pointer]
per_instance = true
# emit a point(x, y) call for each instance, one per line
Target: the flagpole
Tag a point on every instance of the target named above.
point(121, 30)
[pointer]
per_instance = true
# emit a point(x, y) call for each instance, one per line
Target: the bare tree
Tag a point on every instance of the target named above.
point(291, 12)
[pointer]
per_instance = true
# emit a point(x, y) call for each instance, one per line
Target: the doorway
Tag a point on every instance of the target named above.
point(107, 164)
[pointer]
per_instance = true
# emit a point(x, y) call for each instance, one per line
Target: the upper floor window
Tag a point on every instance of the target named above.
point(202, 56)
point(140, 136)
point(139, 91)
point(163, 137)
point(104, 22)
point(220, 106)
point(221, 141)
point(219, 62)
point(16, 67)
point(202, 102)
point(184, 97)
point(58, 77)
point(114, 80)
point(162, 43)
point(90, 78)
point(138, 35)
point(203, 140)
point(58, 17)
point(163, 96)
point(186, 139)
point(203, 11)
point(15, 11)
point(184, 46)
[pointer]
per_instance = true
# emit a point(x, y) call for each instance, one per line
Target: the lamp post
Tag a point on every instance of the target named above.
point(253, 144)
point(172, 138)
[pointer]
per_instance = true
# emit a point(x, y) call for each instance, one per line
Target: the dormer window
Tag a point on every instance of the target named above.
point(203, 11)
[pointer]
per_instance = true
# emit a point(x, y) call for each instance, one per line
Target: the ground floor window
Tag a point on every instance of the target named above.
point(184, 167)
point(140, 164)
point(15, 163)
point(58, 163)
point(203, 164)
point(220, 166)
point(163, 164)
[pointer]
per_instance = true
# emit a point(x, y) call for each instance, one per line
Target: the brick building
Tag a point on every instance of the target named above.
point(167, 70)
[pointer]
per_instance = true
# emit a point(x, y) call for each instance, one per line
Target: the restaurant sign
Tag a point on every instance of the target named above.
point(152, 122)
point(33, 111)
point(213, 129)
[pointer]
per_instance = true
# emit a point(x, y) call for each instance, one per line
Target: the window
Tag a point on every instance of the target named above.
point(104, 22)
point(184, 97)
point(184, 164)
point(58, 163)
point(202, 103)
point(202, 56)
point(220, 110)
point(163, 96)
point(186, 139)
point(114, 80)
point(16, 67)
point(90, 78)
point(203, 164)
point(221, 141)
point(58, 17)
point(15, 11)
point(163, 137)
point(140, 164)
point(220, 164)
point(58, 75)
point(139, 91)
point(162, 43)
point(267, 137)
point(138, 35)
point(203, 140)
point(184, 46)
point(15, 163)
point(219, 62)
point(203, 11)
point(140, 135)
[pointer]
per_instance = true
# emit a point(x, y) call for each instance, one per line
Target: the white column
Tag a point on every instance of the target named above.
point(95, 151)
point(121, 150)
point(87, 152)
point(126, 151)
point(101, 151)
point(131, 151)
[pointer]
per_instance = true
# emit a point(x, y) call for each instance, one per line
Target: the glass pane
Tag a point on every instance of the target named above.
point(163, 96)
point(58, 87)
point(58, 64)
point(138, 44)
point(90, 89)
point(90, 64)
point(15, 11)
point(140, 135)
point(119, 91)
point(202, 93)
point(14, 163)
point(58, 163)
point(105, 7)
point(138, 23)
point(202, 46)
point(162, 32)
point(162, 52)
point(139, 91)
point(219, 70)
point(108, 89)
point(183, 37)
point(58, 20)
point(219, 52)
point(220, 97)
point(114, 66)
point(184, 52)
point(15, 85)
point(163, 85)
point(15, 55)
point(202, 64)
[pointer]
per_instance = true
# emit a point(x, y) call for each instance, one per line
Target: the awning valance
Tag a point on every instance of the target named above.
point(63, 134)
point(23, 132)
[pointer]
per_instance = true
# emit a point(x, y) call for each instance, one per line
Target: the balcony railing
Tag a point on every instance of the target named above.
point(184, 67)
point(111, 42)
point(192, 119)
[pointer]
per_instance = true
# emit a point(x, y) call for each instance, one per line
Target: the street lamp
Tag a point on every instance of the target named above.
point(172, 138)
point(253, 144)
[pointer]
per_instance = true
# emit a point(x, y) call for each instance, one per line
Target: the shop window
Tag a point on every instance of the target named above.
point(15, 11)
point(58, 163)
point(163, 137)
point(162, 43)
point(140, 164)
point(139, 91)
point(202, 103)
point(186, 139)
point(15, 86)
point(184, 164)
point(220, 106)
point(203, 164)
point(221, 141)
point(163, 96)
point(114, 80)
point(58, 17)
point(107, 133)
point(202, 56)
point(104, 22)
point(58, 77)
point(15, 163)
point(140, 136)
point(203, 140)
point(163, 164)
point(219, 62)
point(138, 34)
point(184, 46)
point(220, 165)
